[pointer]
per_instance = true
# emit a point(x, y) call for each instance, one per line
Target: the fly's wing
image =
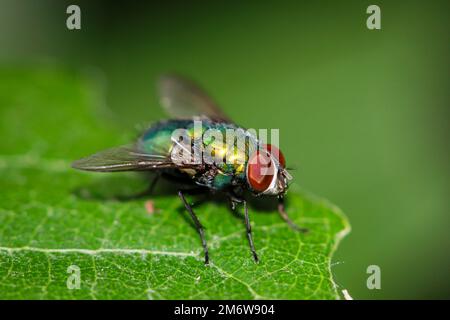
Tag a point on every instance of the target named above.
point(124, 158)
point(182, 98)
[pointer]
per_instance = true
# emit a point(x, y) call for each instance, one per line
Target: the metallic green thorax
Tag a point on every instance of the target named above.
point(217, 175)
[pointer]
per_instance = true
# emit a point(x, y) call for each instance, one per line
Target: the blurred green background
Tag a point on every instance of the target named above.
point(363, 114)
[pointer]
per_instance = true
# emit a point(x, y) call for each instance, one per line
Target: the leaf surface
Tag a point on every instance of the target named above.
point(54, 220)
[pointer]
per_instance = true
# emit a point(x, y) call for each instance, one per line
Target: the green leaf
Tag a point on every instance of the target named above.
point(53, 217)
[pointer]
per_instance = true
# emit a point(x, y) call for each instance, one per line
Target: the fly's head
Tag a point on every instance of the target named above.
point(266, 172)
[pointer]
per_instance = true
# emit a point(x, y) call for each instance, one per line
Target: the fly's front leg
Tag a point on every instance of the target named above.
point(234, 200)
point(198, 225)
point(249, 232)
point(286, 218)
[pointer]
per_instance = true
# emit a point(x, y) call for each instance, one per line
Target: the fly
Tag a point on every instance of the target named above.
point(191, 146)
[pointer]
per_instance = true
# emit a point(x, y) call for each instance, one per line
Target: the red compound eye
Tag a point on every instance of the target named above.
point(260, 171)
point(276, 153)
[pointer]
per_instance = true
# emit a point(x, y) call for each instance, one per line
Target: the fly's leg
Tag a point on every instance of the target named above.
point(249, 232)
point(286, 218)
point(235, 200)
point(143, 194)
point(152, 186)
point(198, 225)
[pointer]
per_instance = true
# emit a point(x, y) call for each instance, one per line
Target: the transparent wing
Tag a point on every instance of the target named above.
point(182, 98)
point(124, 158)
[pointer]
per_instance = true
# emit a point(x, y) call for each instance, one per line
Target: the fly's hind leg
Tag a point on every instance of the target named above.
point(143, 194)
point(152, 185)
point(286, 218)
point(198, 225)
